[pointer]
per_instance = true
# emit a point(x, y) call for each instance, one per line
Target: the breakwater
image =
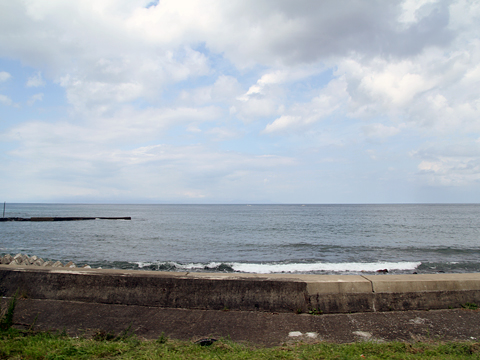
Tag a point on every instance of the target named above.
point(63, 218)
point(25, 260)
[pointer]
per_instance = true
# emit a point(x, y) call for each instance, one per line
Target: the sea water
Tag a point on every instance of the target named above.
point(319, 239)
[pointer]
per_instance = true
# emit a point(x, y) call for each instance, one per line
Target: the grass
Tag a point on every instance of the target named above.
point(470, 306)
point(15, 344)
point(315, 312)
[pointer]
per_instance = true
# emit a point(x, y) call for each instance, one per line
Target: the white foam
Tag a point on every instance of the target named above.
point(191, 266)
point(330, 267)
point(294, 267)
point(199, 266)
point(142, 264)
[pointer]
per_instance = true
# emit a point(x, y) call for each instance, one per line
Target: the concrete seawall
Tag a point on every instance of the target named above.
point(248, 292)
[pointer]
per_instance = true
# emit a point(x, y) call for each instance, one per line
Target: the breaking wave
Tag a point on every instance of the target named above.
point(272, 268)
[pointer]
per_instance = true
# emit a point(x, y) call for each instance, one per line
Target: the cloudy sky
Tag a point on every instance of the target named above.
point(265, 101)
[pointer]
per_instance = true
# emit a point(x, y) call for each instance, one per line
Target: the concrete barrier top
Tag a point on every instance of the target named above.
point(315, 283)
point(424, 282)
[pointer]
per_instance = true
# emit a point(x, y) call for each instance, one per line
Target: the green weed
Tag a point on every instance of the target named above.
point(315, 312)
point(162, 339)
point(470, 306)
point(6, 319)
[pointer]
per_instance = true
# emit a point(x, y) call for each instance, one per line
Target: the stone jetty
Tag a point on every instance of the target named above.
point(63, 218)
point(25, 260)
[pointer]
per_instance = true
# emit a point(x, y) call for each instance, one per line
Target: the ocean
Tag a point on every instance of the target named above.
point(315, 239)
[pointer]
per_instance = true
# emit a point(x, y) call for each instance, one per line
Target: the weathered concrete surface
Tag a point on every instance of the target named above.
point(256, 327)
point(424, 292)
point(247, 292)
point(174, 290)
point(424, 282)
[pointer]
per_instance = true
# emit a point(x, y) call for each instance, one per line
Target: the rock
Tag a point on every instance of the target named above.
point(39, 262)
point(17, 260)
point(57, 264)
point(205, 342)
point(22, 259)
point(86, 266)
point(70, 264)
point(48, 263)
point(7, 259)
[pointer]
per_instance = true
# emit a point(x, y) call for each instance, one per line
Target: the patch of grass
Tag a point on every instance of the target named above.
point(14, 344)
point(6, 316)
point(470, 306)
point(162, 339)
point(315, 312)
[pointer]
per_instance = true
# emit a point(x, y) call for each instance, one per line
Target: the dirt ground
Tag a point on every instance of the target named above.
point(255, 327)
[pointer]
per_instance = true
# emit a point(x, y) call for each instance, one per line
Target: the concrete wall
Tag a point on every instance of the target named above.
point(217, 291)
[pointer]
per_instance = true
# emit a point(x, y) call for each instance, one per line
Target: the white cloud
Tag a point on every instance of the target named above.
point(278, 77)
point(282, 123)
point(35, 80)
point(223, 134)
point(455, 163)
point(64, 153)
point(4, 76)
point(330, 99)
point(381, 131)
point(433, 91)
point(127, 125)
point(270, 33)
point(379, 85)
point(88, 95)
point(451, 171)
point(5, 100)
point(35, 98)
point(412, 10)
point(255, 108)
point(225, 89)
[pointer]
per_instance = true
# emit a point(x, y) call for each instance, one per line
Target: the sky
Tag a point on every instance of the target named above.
point(240, 101)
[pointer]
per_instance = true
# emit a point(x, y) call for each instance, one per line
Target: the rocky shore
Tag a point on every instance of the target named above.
point(25, 260)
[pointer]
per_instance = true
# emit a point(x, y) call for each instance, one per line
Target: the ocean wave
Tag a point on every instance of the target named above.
point(450, 267)
point(323, 267)
point(272, 268)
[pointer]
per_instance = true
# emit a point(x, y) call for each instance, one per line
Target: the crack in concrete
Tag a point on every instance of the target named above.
point(373, 291)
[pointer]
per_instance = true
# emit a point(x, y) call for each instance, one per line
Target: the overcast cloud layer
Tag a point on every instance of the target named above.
point(239, 101)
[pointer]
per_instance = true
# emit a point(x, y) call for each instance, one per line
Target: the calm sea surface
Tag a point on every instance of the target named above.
point(323, 239)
